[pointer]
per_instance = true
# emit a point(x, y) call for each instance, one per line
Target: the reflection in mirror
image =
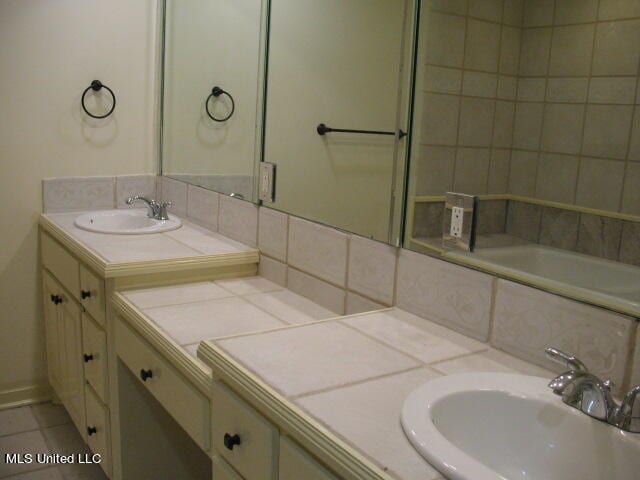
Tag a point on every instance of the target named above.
point(338, 63)
point(212, 44)
point(535, 110)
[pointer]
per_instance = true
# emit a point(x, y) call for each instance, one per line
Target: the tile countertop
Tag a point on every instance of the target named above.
point(351, 374)
point(191, 313)
point(189, 241)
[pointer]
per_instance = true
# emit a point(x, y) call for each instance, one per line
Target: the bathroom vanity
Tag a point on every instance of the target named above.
point(80, 270)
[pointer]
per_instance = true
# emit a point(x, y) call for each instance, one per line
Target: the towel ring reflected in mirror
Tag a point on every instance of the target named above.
point(215, 93)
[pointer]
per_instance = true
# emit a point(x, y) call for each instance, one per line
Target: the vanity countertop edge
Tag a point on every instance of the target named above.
point(123, 269)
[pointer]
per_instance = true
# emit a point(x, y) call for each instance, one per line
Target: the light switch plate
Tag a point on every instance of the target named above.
point(459, 222)
point(267, 183)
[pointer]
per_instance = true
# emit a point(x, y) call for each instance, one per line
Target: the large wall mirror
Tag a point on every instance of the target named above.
point(534, 107)
point(211, 137)
point(345, 65)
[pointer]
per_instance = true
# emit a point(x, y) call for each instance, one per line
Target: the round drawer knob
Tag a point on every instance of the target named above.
point(91, 430)
point(56, 299)
point(84, 294)
point(87, 357)
point(231, 441)
point(146, 374)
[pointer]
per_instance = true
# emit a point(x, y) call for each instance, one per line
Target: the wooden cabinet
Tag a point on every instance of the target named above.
point(98, 431)
point(94, 356)
point(242, 436)
point(295, 463)
point(184, 402)
point(92, 294)
point(221, 470)
point(63, 317)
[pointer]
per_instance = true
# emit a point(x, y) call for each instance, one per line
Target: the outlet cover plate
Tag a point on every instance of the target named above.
point(267, 182)
point(459, 223)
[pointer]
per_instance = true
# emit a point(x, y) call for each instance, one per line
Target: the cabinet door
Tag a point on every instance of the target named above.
point(53, 330)
point(70, 316)
point(295, 463)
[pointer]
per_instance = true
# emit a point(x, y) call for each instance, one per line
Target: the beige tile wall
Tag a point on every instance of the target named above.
point(538, 98)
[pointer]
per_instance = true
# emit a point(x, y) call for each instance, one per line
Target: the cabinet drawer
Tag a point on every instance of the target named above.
point(98, 431)
point(295, 463)
point(186, 404)
point(222, 471)
point(94, 355)
point(61, 263)
point(242, 436)
point(92, 294)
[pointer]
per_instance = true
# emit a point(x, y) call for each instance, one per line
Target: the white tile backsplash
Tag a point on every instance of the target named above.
point(239, 220)
point(321, 292)
point(359, 304)
point(175, 191)
point(202, 206)
point(272, 233)
point(273, 270)
point(372, 267)
point(527, 320)
point(68, 194)
point(319, 250)
point(457, 297)
point(130, 185)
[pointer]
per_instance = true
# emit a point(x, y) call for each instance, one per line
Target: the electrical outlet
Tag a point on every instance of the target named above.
point(457, 214)
point(266, 189)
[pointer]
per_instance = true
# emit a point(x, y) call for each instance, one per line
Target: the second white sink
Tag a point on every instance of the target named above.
point(489, 426)
point(125, 222)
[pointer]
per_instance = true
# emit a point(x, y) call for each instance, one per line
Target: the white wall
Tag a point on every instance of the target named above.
point(51, 50)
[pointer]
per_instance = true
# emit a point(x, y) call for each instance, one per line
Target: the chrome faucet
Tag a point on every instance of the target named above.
point(155, 210)
point(582, 390)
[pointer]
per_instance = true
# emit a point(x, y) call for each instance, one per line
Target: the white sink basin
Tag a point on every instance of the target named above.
point(125, 222)
point(485, 426)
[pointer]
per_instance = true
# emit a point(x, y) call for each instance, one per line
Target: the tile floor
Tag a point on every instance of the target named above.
point(42, 428)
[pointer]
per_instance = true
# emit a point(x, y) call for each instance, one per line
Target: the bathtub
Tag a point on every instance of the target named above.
point(596, 280)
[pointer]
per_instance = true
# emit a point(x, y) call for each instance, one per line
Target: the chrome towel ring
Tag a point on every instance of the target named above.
point(216, 92)
point(96, 86)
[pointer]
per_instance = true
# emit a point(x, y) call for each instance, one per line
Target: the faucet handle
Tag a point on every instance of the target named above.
point(570, 361)
point(162, 210)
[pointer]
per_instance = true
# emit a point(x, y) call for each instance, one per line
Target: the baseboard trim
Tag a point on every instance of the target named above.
point(19, 397)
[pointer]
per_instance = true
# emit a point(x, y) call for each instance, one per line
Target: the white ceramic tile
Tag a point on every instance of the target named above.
point(315, 357)
point(194, 322)
point(527, 320)
point(50, 414)
point(273, 270)
point(175, 191)
point(372, 267)
point(202, 206)
point(415, 336)
point(130, 185)
point(176, 294)
point(206, 241)
point(16, 420)
point(457, 297)
point(368, 416)
point(78, 193)
point(25, 442)
point(140, 249)
point(490, 361)
point(65, 439)
point(238, 220)
point(272, 233)
point(90, 239)
point(248, 285)
point(319, 250)
point(359, 304)
point(320, 292)
point(290, 307)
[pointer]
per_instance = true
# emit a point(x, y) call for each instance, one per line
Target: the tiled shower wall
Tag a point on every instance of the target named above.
point(577, 125)
point(538, 98)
